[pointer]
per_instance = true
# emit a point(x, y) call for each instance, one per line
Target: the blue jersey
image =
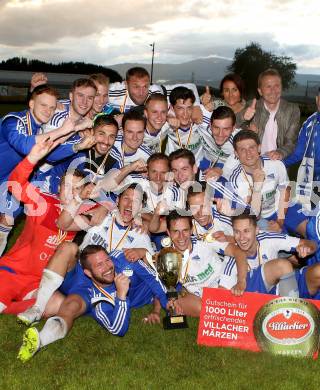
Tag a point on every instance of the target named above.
point(310, 126)
point(17, 137)
point(144, 286)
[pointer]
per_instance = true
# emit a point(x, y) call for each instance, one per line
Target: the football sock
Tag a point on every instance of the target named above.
point(50, 282)
point(4, 232)
point(54, 329)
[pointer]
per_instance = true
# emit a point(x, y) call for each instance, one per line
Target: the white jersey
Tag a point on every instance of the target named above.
point(269, 246)
point(171, 194)
point(276, 178)
point(217, 155)
point(154, 142)
point(113, 236)
point(220, 223)
point(141, 153)
point(120, 99)
point(203, 267)
point(189, 138)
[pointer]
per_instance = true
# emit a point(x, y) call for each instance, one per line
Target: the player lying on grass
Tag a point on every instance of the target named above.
point(102, 286)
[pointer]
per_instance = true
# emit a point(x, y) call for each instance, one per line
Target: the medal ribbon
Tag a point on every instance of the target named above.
point(109, 296)
point(179, 139)
point(120, 242)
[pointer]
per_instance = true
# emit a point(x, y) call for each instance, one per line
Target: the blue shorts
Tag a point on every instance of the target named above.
point(76, 282)
point(294, 217)
point(255, 281)
point(302, 285)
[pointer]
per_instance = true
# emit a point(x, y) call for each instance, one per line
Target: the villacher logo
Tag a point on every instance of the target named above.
point(288, 326)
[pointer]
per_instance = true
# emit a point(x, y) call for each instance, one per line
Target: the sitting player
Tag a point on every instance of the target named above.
point(202, 266)
point(262, 250)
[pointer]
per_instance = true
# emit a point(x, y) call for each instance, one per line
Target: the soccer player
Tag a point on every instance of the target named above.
point(187, 134)
point(262, 250)
point(103, 286)
point(22, 266)
point(218, 142)
point(308, 153)
point(184, 169)
point(259, 181)
point(202, 267)
point(129, 144)
point(206, 218)
point(19, 133)
point(156, 111)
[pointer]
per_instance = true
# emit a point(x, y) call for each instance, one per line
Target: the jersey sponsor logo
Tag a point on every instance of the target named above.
point(98, 240)
point(54, 240)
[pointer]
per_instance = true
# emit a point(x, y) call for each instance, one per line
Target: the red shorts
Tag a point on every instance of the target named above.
point(14, 287)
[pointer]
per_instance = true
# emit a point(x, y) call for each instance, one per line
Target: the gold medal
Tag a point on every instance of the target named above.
point(166, 242)
point(208, 237)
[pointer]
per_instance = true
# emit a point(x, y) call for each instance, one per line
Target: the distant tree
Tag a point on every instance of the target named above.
point(252, 60)
point(24, 64)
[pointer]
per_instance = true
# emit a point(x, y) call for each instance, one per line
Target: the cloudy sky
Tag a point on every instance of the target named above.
point(110, 32)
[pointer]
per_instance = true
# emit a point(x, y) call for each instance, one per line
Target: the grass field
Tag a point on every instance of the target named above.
point(146, 358)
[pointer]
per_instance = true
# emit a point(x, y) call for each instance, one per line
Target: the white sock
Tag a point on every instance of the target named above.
point(2, 307)
point(50, 282)
point(4, 232)
point(54, 329)
point(288, 286)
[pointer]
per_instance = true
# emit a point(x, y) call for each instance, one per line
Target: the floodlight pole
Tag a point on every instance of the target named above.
point(151, 75)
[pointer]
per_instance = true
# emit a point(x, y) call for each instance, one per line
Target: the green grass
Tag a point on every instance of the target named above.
point(146, 358)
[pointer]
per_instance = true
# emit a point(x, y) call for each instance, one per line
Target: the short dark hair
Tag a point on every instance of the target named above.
point(135, 187)
point(75, 173)
point(223, 112)
point(105, 120)
point(245, 134)
point(44, 88)
point(174, 215)
point(133, 115)
point(182, 93)
point(155, 97)
point(156, 157)
point(268, 72)
point(182, 153)
point(138, 72)
point(87, 251)
point(235, 78)
point(246, 215)
point(83, 82)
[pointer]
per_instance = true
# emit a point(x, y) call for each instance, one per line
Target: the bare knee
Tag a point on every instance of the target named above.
point(284, 266)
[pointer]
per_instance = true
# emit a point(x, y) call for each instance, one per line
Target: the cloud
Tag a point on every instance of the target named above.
point(27, 22)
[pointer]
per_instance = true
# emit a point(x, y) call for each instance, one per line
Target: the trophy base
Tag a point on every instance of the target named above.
point(175, 322)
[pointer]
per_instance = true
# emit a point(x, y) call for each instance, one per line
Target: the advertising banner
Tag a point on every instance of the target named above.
point(260, 322)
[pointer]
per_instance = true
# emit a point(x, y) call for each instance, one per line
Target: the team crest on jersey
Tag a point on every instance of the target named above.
point(130, 239)
point(271, 176)
point(127, 272)
point(196, 257)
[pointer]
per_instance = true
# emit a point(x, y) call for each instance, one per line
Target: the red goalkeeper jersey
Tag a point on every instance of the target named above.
point(40, 236)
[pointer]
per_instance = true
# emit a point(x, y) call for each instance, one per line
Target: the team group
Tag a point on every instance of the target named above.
point(118, 171)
